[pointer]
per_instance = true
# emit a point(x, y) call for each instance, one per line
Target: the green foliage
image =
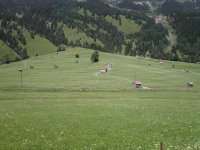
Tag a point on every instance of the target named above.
point(95, 57)
point(32, 35)
point(77, 56)
point(93, 24)
point(186, 25)
point(21, 37)
point(6, 54)
point(128, 4)
point(23, 53)
point(170, 6)
point(173, 6)
point(61, 48)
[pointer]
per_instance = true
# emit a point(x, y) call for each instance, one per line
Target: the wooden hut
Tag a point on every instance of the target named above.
point(104, 70)
point(190, 84)
point(137, 84)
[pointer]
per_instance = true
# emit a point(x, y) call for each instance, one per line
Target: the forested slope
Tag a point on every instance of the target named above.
point(36, 27)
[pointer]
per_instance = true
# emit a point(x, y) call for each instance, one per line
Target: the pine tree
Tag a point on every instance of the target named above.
point(95, 57)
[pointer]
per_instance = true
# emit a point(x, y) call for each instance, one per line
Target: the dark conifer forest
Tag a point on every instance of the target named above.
point(48, 18)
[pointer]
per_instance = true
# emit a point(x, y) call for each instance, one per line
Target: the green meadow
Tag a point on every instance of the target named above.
point(74, 35)
point(39, 45)
point(127, 25)
point(76, 107)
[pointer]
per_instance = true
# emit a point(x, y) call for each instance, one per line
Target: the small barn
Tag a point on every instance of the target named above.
point(104, 70)
point(161, 62)
point(137, 84)
point(190, 84)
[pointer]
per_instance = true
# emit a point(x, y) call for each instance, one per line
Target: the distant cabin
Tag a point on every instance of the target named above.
point(190, 84)
point(104, 70)
point(137, 84)
point(161, 62)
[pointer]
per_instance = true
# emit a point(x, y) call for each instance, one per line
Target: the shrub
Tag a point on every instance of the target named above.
point(95, 57)
point(77, 57)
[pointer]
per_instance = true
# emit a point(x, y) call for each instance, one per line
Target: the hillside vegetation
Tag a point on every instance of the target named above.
point(124, 25)
point(90, 24)
point(184, 22)
point(94, 24)
point(7, 54)
point(38, 45)
point(74, 35)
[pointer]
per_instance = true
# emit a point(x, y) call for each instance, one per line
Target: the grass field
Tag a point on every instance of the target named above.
point(75, 107)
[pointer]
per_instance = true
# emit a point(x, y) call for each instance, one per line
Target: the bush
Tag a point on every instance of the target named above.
point(60, 48)
point(95, 57)
point(77, 57)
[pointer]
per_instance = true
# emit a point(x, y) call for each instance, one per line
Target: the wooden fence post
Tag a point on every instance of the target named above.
point(161, 145)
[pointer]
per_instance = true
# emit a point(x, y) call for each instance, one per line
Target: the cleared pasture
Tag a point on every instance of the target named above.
point(71, 75)
point(75, 107)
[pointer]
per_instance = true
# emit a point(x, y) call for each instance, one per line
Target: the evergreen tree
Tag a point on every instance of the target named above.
point(95, 57)
point(77, 58)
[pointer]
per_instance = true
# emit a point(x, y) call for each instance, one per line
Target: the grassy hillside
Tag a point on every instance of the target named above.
point(76, 76)
point(6, 52)
point(127, 26)
point(75, 107)
point(39, 45)
point(74, 35)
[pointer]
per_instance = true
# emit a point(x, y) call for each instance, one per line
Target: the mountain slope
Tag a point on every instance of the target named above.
point(92, 20)
point(143, 5)
point(77, 76)
point(124, 24)
point(7, 54)
point(90, 24)
point(37, 44)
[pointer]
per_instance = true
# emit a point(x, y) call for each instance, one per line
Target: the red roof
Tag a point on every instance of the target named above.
point(137, 83)
point(103, 68)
